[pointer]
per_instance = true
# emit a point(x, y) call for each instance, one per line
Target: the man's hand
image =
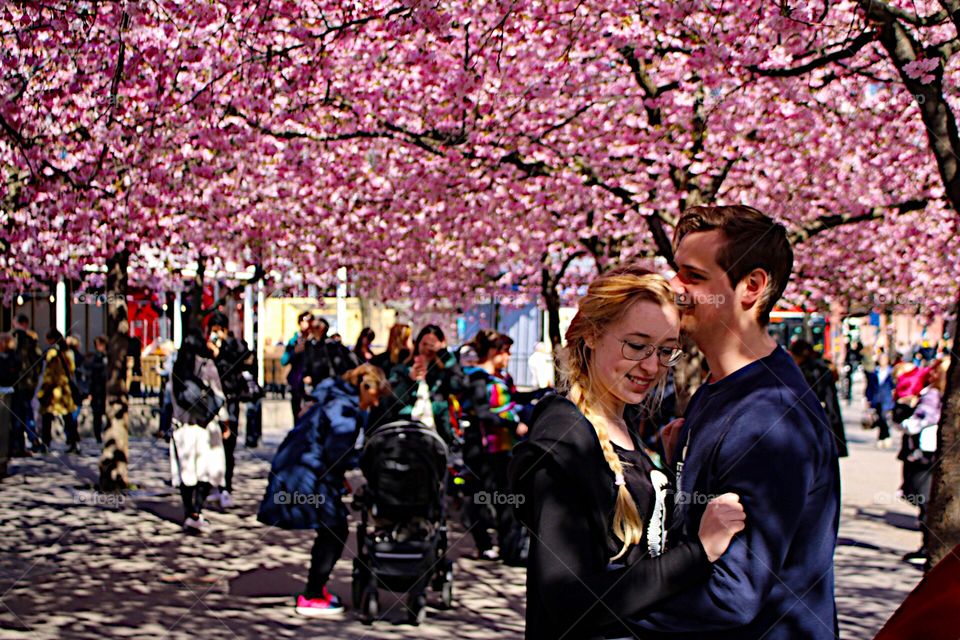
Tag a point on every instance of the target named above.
point(670, 436)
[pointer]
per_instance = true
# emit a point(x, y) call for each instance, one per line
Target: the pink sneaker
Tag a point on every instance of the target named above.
point(317, 607)
point(333, 598)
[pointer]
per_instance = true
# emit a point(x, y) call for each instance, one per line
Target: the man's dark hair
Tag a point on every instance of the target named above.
point(801, 348)
point(218, 319)
point(23, 319)
point(754, 241)
point(101, 340)
point(301, 316)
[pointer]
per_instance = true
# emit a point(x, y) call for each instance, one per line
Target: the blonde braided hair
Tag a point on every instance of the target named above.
point(608, 298)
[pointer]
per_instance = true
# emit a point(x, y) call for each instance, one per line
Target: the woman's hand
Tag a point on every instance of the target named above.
point(670, 436)
point(419, 369)
point(723, 518)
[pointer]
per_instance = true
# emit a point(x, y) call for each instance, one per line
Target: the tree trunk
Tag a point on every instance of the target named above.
point(551, 299)
point(942, 519)
point(943, 512)
point(686, 376)
point(193, 317)
point(116, 449)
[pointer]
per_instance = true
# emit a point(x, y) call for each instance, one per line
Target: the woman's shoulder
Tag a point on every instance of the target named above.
point(559, 427)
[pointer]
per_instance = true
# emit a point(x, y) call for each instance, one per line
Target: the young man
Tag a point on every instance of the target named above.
point(95, 375)
point(23, 424)
point(754, 429)
point(294, 354)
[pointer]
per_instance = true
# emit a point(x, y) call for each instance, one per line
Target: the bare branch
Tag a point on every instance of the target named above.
point(851, 50)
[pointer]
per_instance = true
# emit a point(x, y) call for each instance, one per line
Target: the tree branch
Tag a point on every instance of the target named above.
point(852, 49)
point(823, 223)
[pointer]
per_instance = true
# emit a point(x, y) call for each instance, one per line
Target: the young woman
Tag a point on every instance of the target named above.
point(364, 341)
point(424, 383)
point(305, 488)
point(399, 346)
point(493, 430)
point(197, 460)
point(919, 447)
point(596, 504)
point(55, 395)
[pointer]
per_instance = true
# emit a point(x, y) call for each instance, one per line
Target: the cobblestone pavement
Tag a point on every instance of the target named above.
point(77, 564)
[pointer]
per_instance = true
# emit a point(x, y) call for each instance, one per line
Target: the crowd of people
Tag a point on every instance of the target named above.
point(51, 383)
point(631, 520)
point(905, 391)
point(466, 396)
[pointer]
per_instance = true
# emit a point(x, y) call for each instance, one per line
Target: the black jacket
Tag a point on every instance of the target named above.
point(566, 496)
point(92, 375)
point(233, 359)
point(30, 355)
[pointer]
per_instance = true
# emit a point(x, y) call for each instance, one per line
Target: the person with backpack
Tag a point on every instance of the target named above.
point(58, 392)
point(494, 428)
point(197, 461)
point(306, 482)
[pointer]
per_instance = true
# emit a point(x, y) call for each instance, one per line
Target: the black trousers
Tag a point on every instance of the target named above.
point(480, 511)
point(23, 425)
point(193, 498)
point(296, 400)
point(882, 426)
point(229, 446)
point(99, 406)
point(69, 429)
point(327, 549)
point(254, 423)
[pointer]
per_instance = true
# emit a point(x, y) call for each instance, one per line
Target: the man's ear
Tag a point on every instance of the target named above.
point(752, 287)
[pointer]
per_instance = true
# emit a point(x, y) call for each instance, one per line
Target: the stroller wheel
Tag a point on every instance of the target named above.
point(418, 609)
point(446, 594)
point(370, 608)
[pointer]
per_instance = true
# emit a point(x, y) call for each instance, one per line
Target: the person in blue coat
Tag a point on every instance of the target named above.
point(306, 487)
point(755, 428)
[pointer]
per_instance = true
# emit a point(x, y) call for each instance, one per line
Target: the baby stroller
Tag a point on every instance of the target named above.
point(402, 534)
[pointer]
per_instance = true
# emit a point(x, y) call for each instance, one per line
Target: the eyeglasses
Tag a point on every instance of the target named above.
point(668, 356)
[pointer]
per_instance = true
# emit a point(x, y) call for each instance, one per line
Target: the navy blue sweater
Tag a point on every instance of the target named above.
point(761, 433)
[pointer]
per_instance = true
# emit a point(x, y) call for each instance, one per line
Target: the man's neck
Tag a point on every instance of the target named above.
point(737, 351)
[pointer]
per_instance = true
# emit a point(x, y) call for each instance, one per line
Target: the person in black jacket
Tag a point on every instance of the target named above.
point(593, 498)
point(232, 358)
point(94, 371)
point(30, 355)
point(9, 371)
point(820, 377)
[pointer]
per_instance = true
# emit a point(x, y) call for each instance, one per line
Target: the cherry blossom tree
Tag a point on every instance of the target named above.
point(447, 151)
